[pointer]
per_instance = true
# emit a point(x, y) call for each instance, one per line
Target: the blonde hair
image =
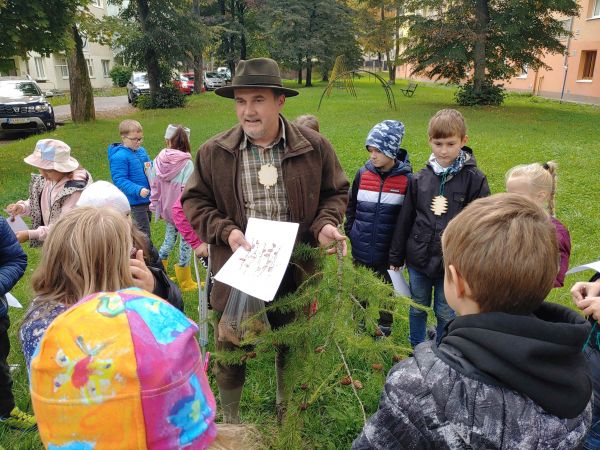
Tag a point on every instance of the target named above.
point(308, 120)
point(86, 251)
point(541, 177)
point(447, 123)
point(505, 248)
point(127, 126)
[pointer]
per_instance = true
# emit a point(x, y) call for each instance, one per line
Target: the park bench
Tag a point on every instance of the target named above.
point(410, 90)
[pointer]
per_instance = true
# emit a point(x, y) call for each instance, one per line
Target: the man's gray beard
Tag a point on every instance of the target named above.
point(255, 134)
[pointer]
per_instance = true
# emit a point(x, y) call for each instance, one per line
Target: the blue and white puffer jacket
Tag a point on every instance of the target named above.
point(373, 207)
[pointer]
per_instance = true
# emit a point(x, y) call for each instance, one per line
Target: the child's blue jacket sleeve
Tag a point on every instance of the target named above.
point(13, 260)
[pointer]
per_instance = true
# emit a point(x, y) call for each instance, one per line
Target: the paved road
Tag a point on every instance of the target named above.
point(105, 107)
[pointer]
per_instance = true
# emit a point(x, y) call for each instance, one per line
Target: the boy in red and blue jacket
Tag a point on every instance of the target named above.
point(375, 201)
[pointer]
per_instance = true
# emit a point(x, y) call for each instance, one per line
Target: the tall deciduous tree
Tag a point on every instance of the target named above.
point(47, 27)
point(37, 25)
point(380, 23)
point(306, 31)
point(483, 40)
point(238, 29)
point(82, 94)
point(155, 36)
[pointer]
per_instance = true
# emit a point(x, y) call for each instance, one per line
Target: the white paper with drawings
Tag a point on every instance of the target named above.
point(12, 301)
point(591, 266)
point(16, 223)
point(259, 272)
point(400, 285)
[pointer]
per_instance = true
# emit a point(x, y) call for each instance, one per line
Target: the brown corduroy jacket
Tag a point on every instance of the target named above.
point(316, 187)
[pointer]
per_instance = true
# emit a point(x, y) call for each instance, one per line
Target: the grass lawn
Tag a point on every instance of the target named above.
point(524, 130)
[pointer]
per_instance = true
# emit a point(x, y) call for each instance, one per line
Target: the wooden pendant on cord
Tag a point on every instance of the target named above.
point(267, 175)
point(439, 205)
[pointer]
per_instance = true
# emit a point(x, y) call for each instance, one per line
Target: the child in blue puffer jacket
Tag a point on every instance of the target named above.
point(130, 166)
point(375, 201)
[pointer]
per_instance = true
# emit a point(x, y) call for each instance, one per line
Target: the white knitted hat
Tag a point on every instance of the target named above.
point(102, 194)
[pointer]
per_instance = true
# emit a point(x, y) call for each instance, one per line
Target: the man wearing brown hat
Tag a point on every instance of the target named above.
point(264, 167)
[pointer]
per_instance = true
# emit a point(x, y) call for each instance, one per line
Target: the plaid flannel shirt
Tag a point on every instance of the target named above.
point(260, 202)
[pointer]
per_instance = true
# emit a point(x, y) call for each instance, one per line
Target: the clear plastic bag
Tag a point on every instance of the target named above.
point(244, 318)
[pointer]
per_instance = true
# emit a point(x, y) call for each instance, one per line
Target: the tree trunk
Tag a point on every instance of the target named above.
point(396, 43)
point(299, 70)
point(198, 62)
point(198, 73)
point(150, 57)
point(82, 95)
point(325, 74)
point(482, 18)
point(241, 11)
point(391, 68)
point(308, 71)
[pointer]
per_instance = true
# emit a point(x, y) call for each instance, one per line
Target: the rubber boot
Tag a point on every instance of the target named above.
point(184, 278)
point(230, 402)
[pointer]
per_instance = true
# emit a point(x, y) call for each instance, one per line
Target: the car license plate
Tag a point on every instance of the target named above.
point(17, 120)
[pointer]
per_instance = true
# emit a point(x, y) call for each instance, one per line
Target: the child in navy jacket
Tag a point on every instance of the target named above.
point(436, 194)
point(375, 200)
point(13, 262)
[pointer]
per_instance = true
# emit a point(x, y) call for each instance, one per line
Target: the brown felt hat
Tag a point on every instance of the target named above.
point(256, 73)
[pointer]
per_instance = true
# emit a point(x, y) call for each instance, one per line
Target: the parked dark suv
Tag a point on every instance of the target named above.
point(23, 107)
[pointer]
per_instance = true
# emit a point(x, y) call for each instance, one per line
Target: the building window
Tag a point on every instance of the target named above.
point(596, 9)
point(90, 67)
point(524, 72)
point(8, 68)
point(566, 28)
point(586, 64)
point(39, 68)
point(97, 3)
point(106, 68)
point(63, 68)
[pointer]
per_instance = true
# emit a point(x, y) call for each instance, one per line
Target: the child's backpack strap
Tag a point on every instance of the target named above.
point(185, 173)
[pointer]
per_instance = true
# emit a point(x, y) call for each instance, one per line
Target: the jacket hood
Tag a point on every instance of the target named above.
point(401, 167)
point(114, 148)
point(77, 175)
point(538, 355)
point(169, 163)
point(80, 175)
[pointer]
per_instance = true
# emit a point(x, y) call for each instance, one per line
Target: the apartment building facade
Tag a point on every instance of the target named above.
point(52, 73)
point(574, 75)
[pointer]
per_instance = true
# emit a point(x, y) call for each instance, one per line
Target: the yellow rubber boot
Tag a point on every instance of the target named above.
point(184, 278)
point(165, 263)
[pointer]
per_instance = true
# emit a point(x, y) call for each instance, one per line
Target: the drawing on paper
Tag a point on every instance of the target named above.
point(261, 260)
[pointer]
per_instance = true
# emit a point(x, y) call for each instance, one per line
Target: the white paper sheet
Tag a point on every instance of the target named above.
point(259, 272)
point(400, 284)
point(16, 223)
point(12, 301)
point(589, 266)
